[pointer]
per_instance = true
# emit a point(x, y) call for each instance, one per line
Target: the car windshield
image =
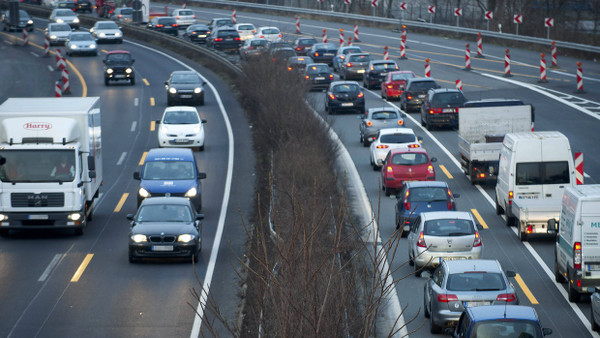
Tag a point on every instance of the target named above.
point(359, 58)
point(315, 69)
point(398, 138)
point(448, 99)
point(65, 12)
point(81, 37)
point(410, 159)
point(61, 28)
point(506, 328)
point(385, 115)
point(448, 227)
point(428, 194)
point(422, 85)
point(307, 42)
point(402, 76)
point(107, 25)
point(384, 66)
point(181, 117)
point(185, 78)
point(259, 43)
point(164, 213)
point(22, 15)
point(245, 27)
point(475, 281)
point(346, 88)
point(118, 57)
point(38, 166)
point(168, 170)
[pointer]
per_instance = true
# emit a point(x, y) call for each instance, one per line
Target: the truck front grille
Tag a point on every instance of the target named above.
point(42, 200)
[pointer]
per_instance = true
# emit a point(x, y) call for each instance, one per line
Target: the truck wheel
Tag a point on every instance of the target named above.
point(132, 81)
point(573, 294)
point(4, 232)
point(106, 82)
point(522, 235)
point(510, 221)
point(558, 277)
point(499, 210)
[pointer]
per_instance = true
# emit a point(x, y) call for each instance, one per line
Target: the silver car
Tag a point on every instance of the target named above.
point(61, 15)
point(456, 285)
point(376, 119)
point(355, 65)
point(122, 14)
point(57, 33)
point(443, 235)
point(107, 31)
point(81, 43)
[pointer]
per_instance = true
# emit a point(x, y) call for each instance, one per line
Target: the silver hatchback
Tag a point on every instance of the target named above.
point(355, 65)
point(457, 285)
point(440, 236)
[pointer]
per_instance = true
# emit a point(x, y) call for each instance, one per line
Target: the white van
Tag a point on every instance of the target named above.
point(532, 166)
point(577, 250)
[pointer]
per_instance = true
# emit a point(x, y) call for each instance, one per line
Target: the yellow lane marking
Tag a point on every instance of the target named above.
point(479, 218)
point(526, 290)
point(121, 202)
point(446, 171)
point(143, 159)
point(152, 125)
point(81, 268)
point(104, 51)
point(152, 101)
point(146, 82)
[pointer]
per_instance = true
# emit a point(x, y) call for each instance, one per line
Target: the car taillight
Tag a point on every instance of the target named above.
point(160, 25)
point(298, 48)
point(450, 205)
point(342, 56)
point(577, 255)
point(390, 87)
point(280, 35)
point(390, 170)
point(331, 96)
point(409, 97)
point(194, 16)
point(349, 64)
point(174, 25)
point(529, 229)
point(413, 146)
point(120, 16)
point(331, 76)
point(510, 197)
point(477, 241)
point(177, 17)
point(382, 146)
point(317, 54)
point(218, 39)
point(400, 122)
point(435, 111)
point(445, 298)
point(237, 39)
point(289, 68)
point(506, 297)
point(369, 123)
point(430, 170)
point(481, 175)
point(421, 241)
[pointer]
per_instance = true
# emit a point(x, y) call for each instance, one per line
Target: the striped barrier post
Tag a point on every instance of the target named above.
point(479, 46)
point(25, 37)
point(386, 55)
point(57, 89)
point(184, 6)
point(46, 47)
point(554, 53)
point(427, 68)
point(403, 35)
point(402, 49)
point(66, 86)
point(579, 78)
point(59, 59)
point(324, 36)
point(349, 41)
point(467, 57)
point(356, 33)
point(507, 64)
point(458, 84)
point(341, 38)
point(579, 168)
point(542, 68)
point(297, 25)
point(233, 16)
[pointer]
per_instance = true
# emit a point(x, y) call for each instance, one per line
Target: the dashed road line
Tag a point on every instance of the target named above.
point(50, 267)
point(81, 268)
point(446, 171)
point(122, 158)
point(479, 218)
point(526, 290)
point(121, 202)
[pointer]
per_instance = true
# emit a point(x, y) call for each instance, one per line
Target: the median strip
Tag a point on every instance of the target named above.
point(526, 290)
point(81, 268)
point(121, 202)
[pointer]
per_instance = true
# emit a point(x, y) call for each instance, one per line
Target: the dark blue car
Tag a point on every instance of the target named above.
point(424, 196)
point(171, 171)
point(500, 321)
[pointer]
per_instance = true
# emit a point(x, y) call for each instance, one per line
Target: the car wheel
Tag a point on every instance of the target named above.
point(375, 167)
point(366, 142)
point(133, 259)
point(201, 102)
point(132, 81)
point(573, 294)
point(78, 231)
point(195, 257)
point(435, 329)
point(169, 102)
point(201, 148)
point(106, 81)
point(387, 191)
point(95, 54)
point(595, 326)
point(428, 125)
point(120, 41)
point(417, 270)
point(4, 232)
point(425, 307)
point(522, 235)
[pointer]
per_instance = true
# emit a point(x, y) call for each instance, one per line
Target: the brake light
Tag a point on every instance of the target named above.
point(369, 123)
point(506, 297)
point(317, 54)
point(194, 16)
point(421, 241)
point(445, 298)
point(177, 17)
point(382, 146)
point(510, 197)
point(308, 78)
point(450, 205)
point(298, 48)
point(400, 122)
point(413, 146)
point(174, 25)
point(290, 68)
point(280, 35)
point(577, 255)
point(430, 170)
point(237, 39)
point(390, 86)
point(371, 68)
point(218, 39)
point(160, 25)
point(481, 175)
point(342, 56)
point(435, 111)
point(360, 95)
point(477, 241)
point(331, 76)
point(529, 229)
point(390, 170)
point(349, 64)
point(120, 16)
point(409, 97)
point(262, 36)
point(331, 96)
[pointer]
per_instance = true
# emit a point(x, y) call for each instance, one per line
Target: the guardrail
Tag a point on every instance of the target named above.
point(379, 21)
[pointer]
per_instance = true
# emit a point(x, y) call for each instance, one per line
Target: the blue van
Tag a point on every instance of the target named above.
point(171, 171)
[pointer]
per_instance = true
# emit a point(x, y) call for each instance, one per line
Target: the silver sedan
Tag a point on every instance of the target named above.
point(81, 43)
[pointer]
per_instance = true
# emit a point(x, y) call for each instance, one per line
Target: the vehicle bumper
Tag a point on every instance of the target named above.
point(160, 249)
point(82, 50)
point(347, 106)
point(119, 76)
point(185, 97)
point(199, 39)
point(323, 59)
point(392, 93)
point(57, 41)
point(354, 73)
point(110, 38)
point(319, 84)
point(446, 318)
point(183, 142)
point(374, 81)
point(414, 104)
point(588, 285)
point(433, 259)
point(41, 220)
point(443, 119)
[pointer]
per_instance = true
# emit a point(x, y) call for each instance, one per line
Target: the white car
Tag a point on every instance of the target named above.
point(181, 126)
point(61, 15)
point(184, 17)
point(107, 31)
point(388, 139)
point(246, 30)
point(57, 33)
point(81, 43)
point(272, 34)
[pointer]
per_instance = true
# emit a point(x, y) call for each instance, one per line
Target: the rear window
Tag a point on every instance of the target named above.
point(270, 31)
point(448, 227)
point(531, 173)
point(428, 194)
point(259, 43)
point(107, 25)
point(346, 88)
point(384, 66)
point(352, 50)
point(359, 58)
point(398, 138)
point(186, 12)
point(507, 328)
point(245, 27)
point(318, 69)
point(422, 85)
point(228, 33)
point(385, 115)
point(410, 159)
point(167, 21)
point(402, 76)
point(127, 11)
point(307, 42)
point(224, 22)
point(448, 99)
point(475, 281)
point(325, 46)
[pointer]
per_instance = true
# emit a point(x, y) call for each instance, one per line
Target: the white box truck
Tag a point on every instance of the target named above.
point(533, 172)
point(51, 155)
point(577, 250)
point(480, 134)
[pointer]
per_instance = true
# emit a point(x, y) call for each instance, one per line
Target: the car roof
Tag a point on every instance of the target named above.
point(396, 131)
point(178, 153)
point(491, 312)
point(181, 108)
point(378, 109)
point(446, 215)
point(424, 184)
point(184, 72)
point(166, 200)
point(445, 90)
point(383, 61)
point(117, 52)
point(243, 23)
point(419, 150)
point(361, 53)
point(421, 79)
point(268, 27)
point(337, 83)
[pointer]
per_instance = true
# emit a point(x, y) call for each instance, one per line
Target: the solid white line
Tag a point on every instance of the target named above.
point(50, 267)
point(133, 125)
point(34, 54)
point(122, 158)
point(136, 101)
point(50, 68)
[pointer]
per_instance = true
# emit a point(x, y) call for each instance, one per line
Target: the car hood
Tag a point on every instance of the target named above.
point(62, 34)
point(168, 228)
point(180, 128)
point(107, 31)
point(164, 186)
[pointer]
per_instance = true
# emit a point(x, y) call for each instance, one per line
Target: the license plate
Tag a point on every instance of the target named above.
point(328, 54)
point(202, 36)
point(181, 140)
point(37, 216)
point(448, 110)
point(422, 96)
point(162, 248)
point(119, 76)
point(594, 267)
point(347, 104)
point(475, 304)
point(449, 259)
point(186, 96)
point(320, 78)
point(229, 39)
point(360, 71)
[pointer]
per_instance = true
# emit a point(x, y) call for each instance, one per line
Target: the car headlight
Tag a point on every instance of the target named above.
point(3, 217)
point(197, 90)
point(163, 129)
point(30, 22)
point(172, 90)
point(73, 46)
point(102, 35)
point(144, 193)
point(74, 217)
point(138, 238)
point(128, 70)
point(93, 45)
point(75, 20)
point(60, 20)
point(117, 34)
point(186, 238)
point(109, 70)
point(52, 37)
point(196, 129)
point(191, 193)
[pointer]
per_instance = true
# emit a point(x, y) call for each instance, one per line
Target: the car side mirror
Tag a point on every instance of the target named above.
point(456, 195)
point(403, 115)
point(203, 121)
point(130, 217)
point(546, 331)
point(479, 226)
point(92, 174)
point(136, 175)
point(157, 121)
point(166, 83)
point(104, 61)
point(433, 159)
point(552, 224)
point(420, 138)
point(199, 217)
point(510, 274)
point(203, 83)
point(201, 176)
point(132, 61)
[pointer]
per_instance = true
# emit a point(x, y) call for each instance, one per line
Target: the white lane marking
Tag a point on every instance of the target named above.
point(133, 126)
point(224, 205)
point(122, 158)
point(50, 267)
point(34, 54)
point(586, 175)
point(136, 101)
point(50, 68)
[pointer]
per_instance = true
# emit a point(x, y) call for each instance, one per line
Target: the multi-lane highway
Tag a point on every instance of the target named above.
point(42, 293)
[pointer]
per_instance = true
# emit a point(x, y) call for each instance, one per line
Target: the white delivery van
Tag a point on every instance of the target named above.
point(532, 166)
point(577, 250)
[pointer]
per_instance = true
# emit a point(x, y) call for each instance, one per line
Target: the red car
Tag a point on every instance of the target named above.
point(393, 85)
point(406, 165)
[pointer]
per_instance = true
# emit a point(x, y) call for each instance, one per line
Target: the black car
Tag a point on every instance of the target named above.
point(118, 66)
point(323, 52)
point(440, 107)
point(183, 87)
point(220, 22)
point(72, 5)
point(415, 92)
point(298, 63)
point(253, 47)
point(165, 227)
point(164, 24)
point(83, 6)
point(224, 38)
point(25, 22)
point(376, 71)
point(318, 76)
point(197, 33)
point(343, 96)
point(302, 45)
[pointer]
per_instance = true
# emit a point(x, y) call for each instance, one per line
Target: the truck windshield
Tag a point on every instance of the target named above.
point(38, 166)
point(168, 170)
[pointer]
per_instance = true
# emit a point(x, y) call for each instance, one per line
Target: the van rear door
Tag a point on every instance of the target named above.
point(556, 166)
point(590, 233)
